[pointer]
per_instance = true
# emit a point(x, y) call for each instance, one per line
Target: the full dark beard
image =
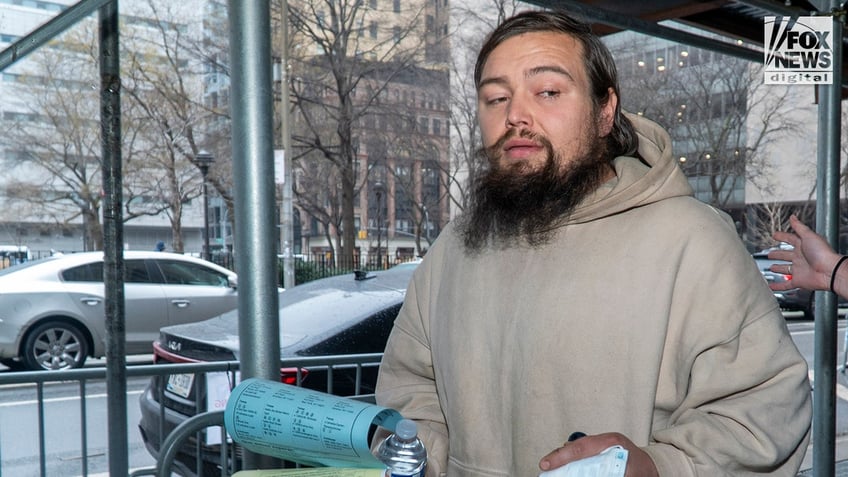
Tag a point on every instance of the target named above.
point(510, 205)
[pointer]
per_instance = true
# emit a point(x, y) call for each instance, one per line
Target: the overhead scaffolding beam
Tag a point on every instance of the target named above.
point(49, 31)
point(624, 22)
point(754, 52)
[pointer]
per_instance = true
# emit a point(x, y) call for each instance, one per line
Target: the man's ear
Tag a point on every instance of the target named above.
point(607, 114)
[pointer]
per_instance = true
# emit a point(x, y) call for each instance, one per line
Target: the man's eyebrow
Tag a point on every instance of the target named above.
point(549, 69)
point(499, 80)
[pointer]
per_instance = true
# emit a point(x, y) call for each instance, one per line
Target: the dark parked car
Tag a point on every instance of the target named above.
point(795, 299)
point(346, 314)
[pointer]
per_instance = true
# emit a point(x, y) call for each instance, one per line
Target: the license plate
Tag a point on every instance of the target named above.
point(180, 384)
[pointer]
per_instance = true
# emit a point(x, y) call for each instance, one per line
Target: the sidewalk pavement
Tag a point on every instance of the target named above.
point(841, 470)
point(841, 459)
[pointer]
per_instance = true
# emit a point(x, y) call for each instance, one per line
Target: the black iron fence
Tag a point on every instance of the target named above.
point(307, 267)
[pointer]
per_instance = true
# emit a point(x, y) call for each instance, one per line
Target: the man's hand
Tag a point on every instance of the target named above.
point(639, 463)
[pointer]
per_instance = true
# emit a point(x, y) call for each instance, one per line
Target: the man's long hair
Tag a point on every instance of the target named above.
point(600, 67)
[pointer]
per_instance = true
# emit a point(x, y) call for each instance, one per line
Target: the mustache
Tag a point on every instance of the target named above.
point(494, 151)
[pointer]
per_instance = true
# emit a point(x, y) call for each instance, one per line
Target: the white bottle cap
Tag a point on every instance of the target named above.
point(406, 429)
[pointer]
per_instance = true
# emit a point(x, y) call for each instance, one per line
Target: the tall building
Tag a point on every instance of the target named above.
point(729, 131)
point(386, 91)
point(370, 98)
point(51, 197)
point(51, 193)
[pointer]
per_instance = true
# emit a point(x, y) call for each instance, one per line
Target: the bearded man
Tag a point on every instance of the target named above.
point(585, 289)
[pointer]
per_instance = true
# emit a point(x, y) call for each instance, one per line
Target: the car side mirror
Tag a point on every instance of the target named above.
point(232, 282)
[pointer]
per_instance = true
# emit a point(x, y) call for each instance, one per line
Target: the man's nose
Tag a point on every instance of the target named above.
point(518, 114)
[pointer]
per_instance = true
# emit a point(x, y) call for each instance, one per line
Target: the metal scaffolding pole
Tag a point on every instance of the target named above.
point(827, 224)
point(286, 223)
point(113, 239)
point(253, 177)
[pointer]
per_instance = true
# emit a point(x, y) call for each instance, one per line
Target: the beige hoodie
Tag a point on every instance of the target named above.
point(645, 316)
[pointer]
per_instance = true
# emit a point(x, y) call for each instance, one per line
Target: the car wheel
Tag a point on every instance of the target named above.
point(55, 345)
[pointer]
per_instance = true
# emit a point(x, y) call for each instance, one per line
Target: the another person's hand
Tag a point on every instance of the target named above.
point(812, 259)
point(639, 463)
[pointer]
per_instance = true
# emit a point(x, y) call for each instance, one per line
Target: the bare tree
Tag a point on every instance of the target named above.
point(731, 123)
point(721, 119)
point(343, 59)
point(770, 218)
point(56, 138)
point(162, 110)
point(411, 166)
point(408, 186)
point(406, 137)
point(163, 83)
point(318, 191)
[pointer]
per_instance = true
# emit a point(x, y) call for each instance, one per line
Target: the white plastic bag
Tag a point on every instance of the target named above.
point(612, 462)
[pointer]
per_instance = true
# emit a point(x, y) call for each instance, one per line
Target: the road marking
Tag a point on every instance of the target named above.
point(841, 390)
point(62, 399)
point(797, 328)
point(106, 474)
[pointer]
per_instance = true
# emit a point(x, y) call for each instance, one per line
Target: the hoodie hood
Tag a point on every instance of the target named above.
point(652, 177)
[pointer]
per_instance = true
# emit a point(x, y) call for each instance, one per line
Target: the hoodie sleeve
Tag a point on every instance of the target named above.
point(406, 381)
point(751, 431)
point(734, 396)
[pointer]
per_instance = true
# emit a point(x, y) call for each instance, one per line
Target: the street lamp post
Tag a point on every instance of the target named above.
point(378, 191)
point(204, 160)
point(281, 74)
point(426, 223)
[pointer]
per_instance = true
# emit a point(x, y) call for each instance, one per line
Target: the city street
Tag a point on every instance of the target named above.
point(18, 410)
point(802, 334)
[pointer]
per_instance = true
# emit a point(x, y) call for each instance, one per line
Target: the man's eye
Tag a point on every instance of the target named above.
point(496, 100)
point(549, 93)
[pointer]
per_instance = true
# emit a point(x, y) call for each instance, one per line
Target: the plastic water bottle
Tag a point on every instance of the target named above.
point(402, 452)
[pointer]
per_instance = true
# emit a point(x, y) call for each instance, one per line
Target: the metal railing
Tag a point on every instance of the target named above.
point(89, 377)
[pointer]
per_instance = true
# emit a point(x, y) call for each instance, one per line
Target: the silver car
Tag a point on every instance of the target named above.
point(52, 310)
